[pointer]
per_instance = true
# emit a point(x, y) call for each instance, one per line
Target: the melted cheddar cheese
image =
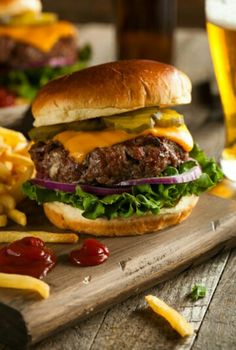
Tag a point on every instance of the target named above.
point(80, 143)
point(43, 37)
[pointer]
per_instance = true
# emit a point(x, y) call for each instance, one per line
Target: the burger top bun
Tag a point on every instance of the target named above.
point(110, 89)
point(16, 7)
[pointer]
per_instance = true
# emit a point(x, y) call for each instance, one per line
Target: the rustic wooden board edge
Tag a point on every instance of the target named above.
point(221, 236)
point(13, 320)
point(134, 290)
point(140, 328)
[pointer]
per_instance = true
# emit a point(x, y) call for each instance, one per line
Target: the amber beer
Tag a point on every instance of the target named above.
point(145, 29)
point(221, 27)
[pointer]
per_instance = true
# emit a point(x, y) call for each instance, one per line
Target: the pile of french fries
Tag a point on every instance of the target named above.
point(16, 167)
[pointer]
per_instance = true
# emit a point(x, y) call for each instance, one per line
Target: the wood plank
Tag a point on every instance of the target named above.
point(132, 325)
point(128, 316)
point(80, 336)
point(134, 264)
point(218, 329)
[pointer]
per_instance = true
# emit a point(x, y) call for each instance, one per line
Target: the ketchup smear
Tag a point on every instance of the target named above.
point(7, 99)
point(27, 256)
point(91, 253)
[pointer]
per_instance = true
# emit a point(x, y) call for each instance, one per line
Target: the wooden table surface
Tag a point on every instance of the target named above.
point(128, 325)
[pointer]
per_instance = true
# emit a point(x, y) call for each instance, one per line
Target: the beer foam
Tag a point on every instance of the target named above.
point(222, 13)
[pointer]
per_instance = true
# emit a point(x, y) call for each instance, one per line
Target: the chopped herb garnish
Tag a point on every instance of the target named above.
point(198, 291)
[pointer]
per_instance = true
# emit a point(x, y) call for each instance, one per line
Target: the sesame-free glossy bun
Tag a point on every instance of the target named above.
point(65, 216)
point(109, 89)
point(16, 7)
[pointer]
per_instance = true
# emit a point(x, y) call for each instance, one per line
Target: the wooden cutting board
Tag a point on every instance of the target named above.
point(135, 264)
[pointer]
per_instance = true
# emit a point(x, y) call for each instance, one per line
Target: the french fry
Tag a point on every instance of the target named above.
point(48, 237)
point(3, 188)
point(23, 147)
point(1, 209)
point(3, 220)
point(5, 173)
point(17, 159)
point(9, 165)
point(16, 167)
point(17, 216)
point(7, 201)
point(11, 137)
point(15, 188)
point(3, 146)
point(24, 282)
point(16, 191)
point(175, 319)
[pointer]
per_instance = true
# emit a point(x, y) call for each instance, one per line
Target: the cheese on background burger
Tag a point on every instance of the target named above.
point(112, 156)
point(35, 47)
point(41, 37)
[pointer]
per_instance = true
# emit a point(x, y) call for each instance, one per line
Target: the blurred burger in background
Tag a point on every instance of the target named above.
point(35, 47)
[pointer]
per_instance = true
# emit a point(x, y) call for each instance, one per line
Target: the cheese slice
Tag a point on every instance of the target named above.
point(43, 37)
point(80, 143)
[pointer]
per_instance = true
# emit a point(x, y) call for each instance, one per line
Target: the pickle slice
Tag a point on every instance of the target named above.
point(86, 125)
point(31, 18)
point(129, 124)
point(142, 119)
point(44, 133)
point(133, 121)
point(167, 117)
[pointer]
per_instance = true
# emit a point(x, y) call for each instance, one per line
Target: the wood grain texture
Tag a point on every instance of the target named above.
point(134, 265)
point(130, 325)
point(80, 336)
point(218, 328)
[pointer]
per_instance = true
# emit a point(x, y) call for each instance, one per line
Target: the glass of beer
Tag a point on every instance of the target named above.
point(221, 28)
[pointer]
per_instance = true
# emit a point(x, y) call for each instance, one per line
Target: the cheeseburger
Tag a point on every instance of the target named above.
point(35, 47)
point(112, 157)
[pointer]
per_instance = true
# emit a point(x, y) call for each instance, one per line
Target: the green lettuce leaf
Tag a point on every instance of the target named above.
point(143, 198)
point(26, 83)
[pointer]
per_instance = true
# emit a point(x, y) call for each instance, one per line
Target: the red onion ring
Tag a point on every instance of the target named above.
point(124, 186)
point(70, 187)
point(190, 175)
point(53, 185)
point(53, 62)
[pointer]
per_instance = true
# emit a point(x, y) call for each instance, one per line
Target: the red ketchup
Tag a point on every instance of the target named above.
point(27, 256)
point(91, 253)
point(7, 99)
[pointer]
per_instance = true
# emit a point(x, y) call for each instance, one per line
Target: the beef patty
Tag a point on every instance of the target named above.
point(145, 156)
point(17, 54)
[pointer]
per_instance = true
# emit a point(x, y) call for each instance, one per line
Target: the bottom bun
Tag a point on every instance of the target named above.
point(65, 216)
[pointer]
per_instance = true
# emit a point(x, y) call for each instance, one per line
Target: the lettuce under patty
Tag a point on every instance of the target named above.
point(143, 198)
point(26, 83)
